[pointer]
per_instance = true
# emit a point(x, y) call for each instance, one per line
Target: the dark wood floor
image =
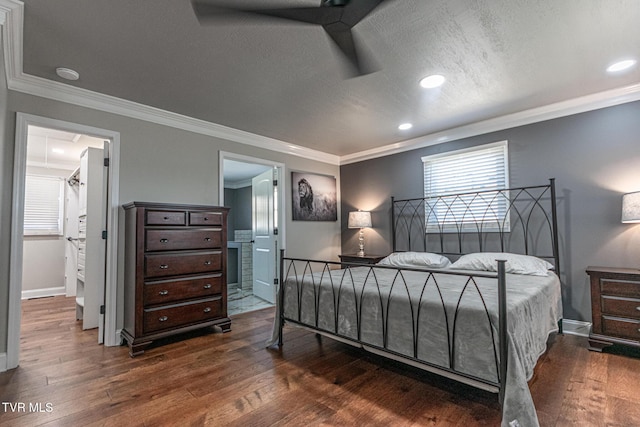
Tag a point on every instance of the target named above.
point(231, 379)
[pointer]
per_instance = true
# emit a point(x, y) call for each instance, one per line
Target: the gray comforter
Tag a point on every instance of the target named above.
point(437, 318)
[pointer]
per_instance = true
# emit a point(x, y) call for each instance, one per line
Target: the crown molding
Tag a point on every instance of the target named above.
point(11, 19)
point(578, 105)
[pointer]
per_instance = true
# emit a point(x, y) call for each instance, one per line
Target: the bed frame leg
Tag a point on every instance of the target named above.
point(502, 327)
point(280, 313)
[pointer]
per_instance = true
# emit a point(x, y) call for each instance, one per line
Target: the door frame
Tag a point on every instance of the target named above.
point(23, 121)
point(282, 190)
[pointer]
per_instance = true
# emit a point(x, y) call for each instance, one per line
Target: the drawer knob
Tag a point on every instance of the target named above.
point(207, 263)
point(164, 292)
point(166, 218)
point(163, 319)
point(164, 266)
point(207, 239)
point(638, 308)
point(207, 286)
point(207, 309)
point(206, 218)
point(164, 240)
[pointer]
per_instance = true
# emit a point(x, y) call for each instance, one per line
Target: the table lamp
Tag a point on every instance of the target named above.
point(361, 220)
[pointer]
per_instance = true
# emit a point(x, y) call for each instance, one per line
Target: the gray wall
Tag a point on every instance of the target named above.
point(239, 200)
point(595, 158)
point(157, 163)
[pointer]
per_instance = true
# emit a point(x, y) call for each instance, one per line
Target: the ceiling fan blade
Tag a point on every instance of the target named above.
point(207, 12)
point(357, 10)
point(359, 63)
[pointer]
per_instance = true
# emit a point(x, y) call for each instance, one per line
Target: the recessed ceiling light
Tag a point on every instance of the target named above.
point(67, 73)
point(621, 65)
point(405, 126)
point(58, 150)
point(430, 82)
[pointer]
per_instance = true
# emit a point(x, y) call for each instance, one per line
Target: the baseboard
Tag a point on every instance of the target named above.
point(3, 362)
point(576, 327)
point(42, 293)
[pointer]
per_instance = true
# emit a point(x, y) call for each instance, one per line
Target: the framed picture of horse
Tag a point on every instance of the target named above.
point(314, 197)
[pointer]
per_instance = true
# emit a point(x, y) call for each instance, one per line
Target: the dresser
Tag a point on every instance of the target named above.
point(615, 307)
point(175, 271)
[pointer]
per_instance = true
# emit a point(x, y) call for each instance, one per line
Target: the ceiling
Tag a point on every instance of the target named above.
point(284, 80)
point(51, 148)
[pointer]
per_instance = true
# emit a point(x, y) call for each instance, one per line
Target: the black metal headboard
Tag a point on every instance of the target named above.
point(519, 220)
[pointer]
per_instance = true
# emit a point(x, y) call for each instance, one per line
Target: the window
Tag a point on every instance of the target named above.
point(478, 169)
point(43, 205)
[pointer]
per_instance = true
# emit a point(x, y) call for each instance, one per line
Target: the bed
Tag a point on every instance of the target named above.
point(483, 319)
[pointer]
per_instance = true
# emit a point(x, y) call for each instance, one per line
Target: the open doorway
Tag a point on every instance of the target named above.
point(252, 189)
point(50, 243)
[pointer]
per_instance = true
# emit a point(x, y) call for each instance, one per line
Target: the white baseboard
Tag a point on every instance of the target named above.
point(3, 362)
point(576, 327)
point(42, 293)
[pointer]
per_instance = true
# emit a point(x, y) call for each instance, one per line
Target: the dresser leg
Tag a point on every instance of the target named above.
point(138, 348)
point(598, 345)
point(226, 327)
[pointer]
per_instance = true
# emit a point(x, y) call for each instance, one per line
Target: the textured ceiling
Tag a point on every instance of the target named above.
point(284, 80)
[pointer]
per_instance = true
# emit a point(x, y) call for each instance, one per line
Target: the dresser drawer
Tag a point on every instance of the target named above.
point(205, 218)
point(167, 291)
point(166, 218)
point(623, 328)
point(171, 240)
point(177, 264)
point(620, 288)
point(624, 307)
point(158, 319)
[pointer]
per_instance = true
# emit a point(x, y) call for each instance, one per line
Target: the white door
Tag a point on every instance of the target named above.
point(71, 238)
point(264, 236)
point(103, 250)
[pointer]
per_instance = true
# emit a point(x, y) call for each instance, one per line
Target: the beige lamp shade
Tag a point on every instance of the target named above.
point(359, 219)
point(631, 207)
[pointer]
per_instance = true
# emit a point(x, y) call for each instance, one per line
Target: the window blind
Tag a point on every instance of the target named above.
point(43, 205)
point(477, 170)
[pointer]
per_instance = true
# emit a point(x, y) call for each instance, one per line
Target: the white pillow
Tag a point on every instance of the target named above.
point(516, 263)
point(415, 260)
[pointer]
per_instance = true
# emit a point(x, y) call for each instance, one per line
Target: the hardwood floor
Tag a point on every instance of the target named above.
point(232, 380)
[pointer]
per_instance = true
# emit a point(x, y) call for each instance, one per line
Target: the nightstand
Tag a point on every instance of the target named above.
point(615, 307)
point(365, 259)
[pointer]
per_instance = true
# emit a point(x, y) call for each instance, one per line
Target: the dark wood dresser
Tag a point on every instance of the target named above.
point(615, 307)
point(175, 271)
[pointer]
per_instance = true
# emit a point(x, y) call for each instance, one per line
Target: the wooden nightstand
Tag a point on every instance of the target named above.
point(615, 307)
point(365, 259)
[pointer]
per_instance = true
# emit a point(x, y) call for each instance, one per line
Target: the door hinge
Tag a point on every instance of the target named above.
point(275, 182)
point(104, 234)
point(275, 231)
point(102, 309)
point(276, 281)
point(106, 162)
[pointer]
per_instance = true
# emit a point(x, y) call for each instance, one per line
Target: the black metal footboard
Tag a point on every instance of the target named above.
point(370, 306)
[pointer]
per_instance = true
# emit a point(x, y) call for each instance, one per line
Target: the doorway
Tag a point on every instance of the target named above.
point(48, 132)
point(252, 188)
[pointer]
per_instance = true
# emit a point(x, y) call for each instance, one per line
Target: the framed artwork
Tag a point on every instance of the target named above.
point(314, 197)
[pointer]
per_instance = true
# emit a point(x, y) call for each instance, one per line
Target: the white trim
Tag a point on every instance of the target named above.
point(43, 293)
point(576, 327)
point(17, 216)
point(11, 18)
point(3, 362)
point(569, 107)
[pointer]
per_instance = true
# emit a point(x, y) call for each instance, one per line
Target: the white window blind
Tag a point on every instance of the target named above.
point(43, 205)
point(478, 169)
